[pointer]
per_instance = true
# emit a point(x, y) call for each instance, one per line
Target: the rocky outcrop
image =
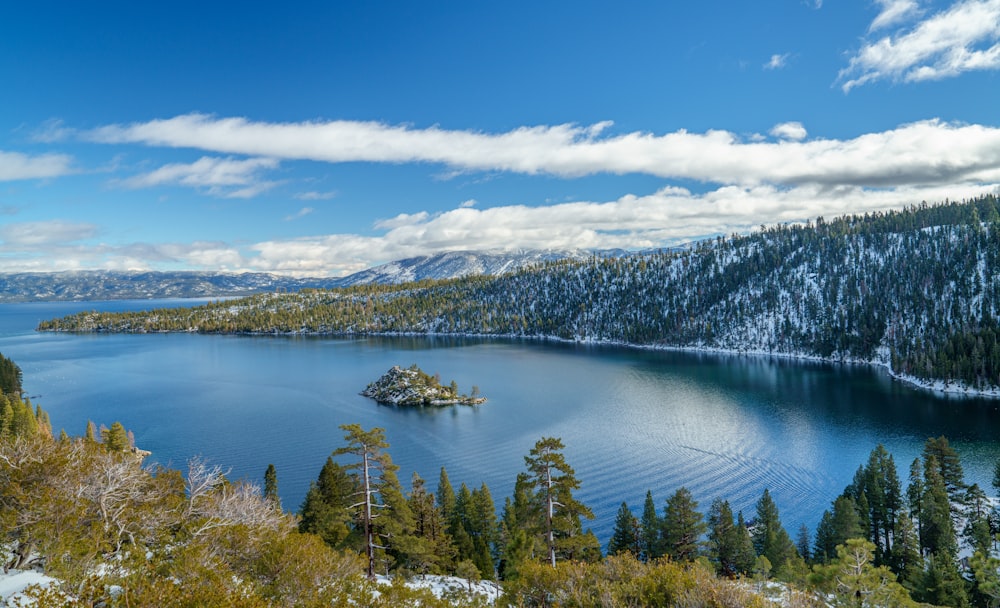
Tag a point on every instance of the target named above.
point(413, 387)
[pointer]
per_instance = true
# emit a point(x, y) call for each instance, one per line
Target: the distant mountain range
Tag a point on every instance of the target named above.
point(87, 285)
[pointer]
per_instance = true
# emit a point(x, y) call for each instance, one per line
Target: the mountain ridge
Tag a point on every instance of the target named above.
point(88, 285)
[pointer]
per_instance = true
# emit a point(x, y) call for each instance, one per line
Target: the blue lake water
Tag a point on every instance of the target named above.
point(631, 420)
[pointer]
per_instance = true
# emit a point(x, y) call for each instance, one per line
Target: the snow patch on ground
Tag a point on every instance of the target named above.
point(14, 582)
point(441, 586)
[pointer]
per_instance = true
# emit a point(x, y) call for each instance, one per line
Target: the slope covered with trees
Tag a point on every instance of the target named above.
point(917, 290)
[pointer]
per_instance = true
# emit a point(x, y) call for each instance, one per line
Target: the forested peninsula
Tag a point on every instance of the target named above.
point(916, 291)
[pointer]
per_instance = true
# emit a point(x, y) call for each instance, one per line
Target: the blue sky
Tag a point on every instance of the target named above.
point(322, 138)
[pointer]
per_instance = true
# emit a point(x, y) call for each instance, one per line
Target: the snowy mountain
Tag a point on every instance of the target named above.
point(124, 285)
point(454, 264)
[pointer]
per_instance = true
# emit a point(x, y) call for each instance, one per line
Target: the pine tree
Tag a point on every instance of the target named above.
point(745, 555)
point(825, 547)
point(949, 466)
point(10, 377)
point(915, 495)
point(943, 585)
point(376, 482)
point(518, 528)
point(482, 527)
point(977, 532)
point(906, 560)
point(845, 521)
point(729, 544)
point(936, 526)
point(271, 485)
point(115, 439)
point(6, 416)
point(854, 580)
point(986, 573)
point(554, 481)
point(396, 525)
point(996, 476)
point(518, 550)
point(652, 547)
point(445, 496)
point(326, 510)
point(625, 537)
point(43, 423)
point(434, 550)
point(459, 524)
point(770, 538)
point(877, 495)
point(804, 544)
point(683, 526)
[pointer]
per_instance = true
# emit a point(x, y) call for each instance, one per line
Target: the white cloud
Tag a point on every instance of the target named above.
point(300, 213)
point(403, 219)
point(18, 166)
point(211, 256)
point(669, 216)
point(225, 177)
point(789, 130)
point(51, 131)
point(62, 250)
point(469, 203)
point(894, 12)
point(965, 37)
point(928, 152)
point(315, 196)
point(32, 235)
point(777, 62)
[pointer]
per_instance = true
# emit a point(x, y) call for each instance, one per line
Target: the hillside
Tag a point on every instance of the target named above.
point(916, 290)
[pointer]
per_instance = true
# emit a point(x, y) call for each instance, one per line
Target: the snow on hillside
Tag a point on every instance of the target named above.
point(455, 264)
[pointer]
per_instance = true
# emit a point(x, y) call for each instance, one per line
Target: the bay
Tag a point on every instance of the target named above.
point(632, 420)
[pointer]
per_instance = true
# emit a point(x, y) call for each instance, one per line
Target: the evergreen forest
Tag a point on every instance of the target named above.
point(915, 290)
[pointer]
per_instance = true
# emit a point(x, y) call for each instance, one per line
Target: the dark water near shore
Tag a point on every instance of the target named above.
point(631, 420)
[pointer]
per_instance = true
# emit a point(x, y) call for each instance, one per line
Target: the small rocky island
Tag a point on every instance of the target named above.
point(413, 387)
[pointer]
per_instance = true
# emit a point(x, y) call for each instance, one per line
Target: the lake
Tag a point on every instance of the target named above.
point(632, 420)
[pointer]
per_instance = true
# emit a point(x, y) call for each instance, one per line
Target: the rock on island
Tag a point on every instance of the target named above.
point(413, 387)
